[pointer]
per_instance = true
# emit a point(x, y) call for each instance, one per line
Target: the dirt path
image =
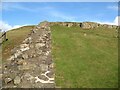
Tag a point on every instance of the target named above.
point(31, 65)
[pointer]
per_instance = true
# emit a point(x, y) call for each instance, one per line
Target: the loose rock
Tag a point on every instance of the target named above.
point(44, 67)
point(8, 80)
point(25, 56)
point(17, 80)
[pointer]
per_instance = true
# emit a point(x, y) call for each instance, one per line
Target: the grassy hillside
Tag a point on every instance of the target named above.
point(15, 37)
point(85, 58)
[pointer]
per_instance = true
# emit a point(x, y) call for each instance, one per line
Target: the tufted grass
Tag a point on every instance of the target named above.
point(89, 61)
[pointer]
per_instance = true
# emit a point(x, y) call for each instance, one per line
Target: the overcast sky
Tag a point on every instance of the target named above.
point(30, 13)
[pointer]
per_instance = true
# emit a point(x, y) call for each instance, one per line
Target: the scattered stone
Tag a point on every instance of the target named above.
point(28, 76)
point(31, 46)
point(51, 65)
point(26, 66)
point(50, 74)
point(44, 67)
point(17, 54)
point(7, 80)
point(20, 62)
point(26, 41)
point(25, 56)
point(39, 52)
point(64, 24)
point(86, 25)
point(17, 80)
point(39, 45)
point(70, 24)
point(24, 49)
point(47, 53)
point(24, 45)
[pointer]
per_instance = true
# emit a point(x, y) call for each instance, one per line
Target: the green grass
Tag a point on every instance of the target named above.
point(15, 37)
point(89, 61)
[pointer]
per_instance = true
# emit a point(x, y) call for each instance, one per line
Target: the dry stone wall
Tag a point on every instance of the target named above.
point(84, 25)
point(31, 65)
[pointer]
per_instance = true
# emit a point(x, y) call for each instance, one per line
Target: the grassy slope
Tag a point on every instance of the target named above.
point(85, 61)
point(15, 37)
point(81, 61)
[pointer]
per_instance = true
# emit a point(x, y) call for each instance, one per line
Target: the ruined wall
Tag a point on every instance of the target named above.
point(84, 25)
point(31, 65)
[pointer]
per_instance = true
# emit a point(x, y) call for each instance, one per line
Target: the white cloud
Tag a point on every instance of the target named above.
point(109, 23)
point(5, 26)
point(115, 21)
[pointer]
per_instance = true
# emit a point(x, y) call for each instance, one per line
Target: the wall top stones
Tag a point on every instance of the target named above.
point(84, 25)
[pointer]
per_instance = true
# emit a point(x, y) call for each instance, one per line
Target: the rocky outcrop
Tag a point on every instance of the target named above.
point(31, 65)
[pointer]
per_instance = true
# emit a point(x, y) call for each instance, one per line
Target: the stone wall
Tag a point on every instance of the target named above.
point(84, 25)
point(31, 65)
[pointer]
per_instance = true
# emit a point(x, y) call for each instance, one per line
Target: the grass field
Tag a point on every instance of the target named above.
point(85, 61)
point(15, 37)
